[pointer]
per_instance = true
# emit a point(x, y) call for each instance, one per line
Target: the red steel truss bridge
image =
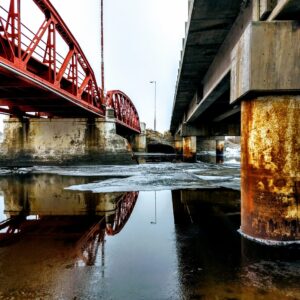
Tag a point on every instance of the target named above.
point(38, 81)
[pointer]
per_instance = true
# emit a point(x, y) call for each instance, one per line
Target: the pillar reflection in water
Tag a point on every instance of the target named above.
point(216, 262)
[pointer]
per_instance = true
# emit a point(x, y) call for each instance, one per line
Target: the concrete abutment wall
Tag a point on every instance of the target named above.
point(62, 141)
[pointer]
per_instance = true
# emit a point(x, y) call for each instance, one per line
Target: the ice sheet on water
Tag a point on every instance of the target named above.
point(145, 177)
point(233, 152)
point(163, 176)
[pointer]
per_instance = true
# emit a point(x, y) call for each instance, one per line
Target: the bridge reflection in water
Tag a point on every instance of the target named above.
point(59, 244)
point(38, 209)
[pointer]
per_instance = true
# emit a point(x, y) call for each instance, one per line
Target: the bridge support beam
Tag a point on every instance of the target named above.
point(270, 169)
point(62, 141)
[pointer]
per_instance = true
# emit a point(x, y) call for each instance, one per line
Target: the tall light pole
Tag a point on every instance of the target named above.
point(154, 103)
point(102, 48)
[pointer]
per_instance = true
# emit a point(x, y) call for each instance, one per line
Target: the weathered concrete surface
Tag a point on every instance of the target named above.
point(206, 144)
point(270, 164)
point(266, 59)
point(189, 148)
point(138, 141)
point(220, 145)
point(178, 144)
point(62, 141)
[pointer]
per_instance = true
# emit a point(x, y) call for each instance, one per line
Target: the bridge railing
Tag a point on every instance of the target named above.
point(36, 53)
point(27, 35)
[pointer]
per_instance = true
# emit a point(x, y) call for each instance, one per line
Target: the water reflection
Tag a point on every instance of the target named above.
point(60, 244)
point(37, 207)
point(215, 262)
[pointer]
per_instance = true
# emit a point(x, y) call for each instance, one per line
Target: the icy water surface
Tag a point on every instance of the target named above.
point(173, 235)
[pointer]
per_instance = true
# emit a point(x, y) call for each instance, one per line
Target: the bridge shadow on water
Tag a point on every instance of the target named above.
point(181, 244)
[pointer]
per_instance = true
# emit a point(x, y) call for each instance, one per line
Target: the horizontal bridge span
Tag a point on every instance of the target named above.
point(36, 78)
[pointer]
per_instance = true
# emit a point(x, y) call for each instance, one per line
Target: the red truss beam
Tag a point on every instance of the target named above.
point(125, 111)
point(33, 58)
point(57, 86)
point(123, 212)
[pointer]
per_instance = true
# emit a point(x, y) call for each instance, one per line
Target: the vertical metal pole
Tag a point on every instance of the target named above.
point(154, 81)
point(102, 52)
point(155, 107)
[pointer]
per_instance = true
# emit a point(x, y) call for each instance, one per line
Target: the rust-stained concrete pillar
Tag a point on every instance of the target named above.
point(189, 144)
point(220, 145)
point(270, 169)
point(178, 144)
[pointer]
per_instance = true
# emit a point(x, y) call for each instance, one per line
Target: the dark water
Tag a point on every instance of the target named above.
point(58, 244)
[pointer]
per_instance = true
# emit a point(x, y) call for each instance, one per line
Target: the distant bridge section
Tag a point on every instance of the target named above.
point(239, 74)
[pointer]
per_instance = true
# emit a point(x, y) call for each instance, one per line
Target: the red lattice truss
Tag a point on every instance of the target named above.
point(123, 212)
point(125, 112)
point(36, 79)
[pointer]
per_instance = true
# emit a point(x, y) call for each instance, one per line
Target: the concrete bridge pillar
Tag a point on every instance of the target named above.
point(138, 141)
point(270, 168)
point(178, 143)
point(189, 145)
point(220, 145)
point(264, 67)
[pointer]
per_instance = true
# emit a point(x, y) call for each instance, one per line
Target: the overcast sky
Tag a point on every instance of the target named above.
point(143, 40)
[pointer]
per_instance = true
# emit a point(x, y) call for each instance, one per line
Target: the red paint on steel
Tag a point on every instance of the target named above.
point(124, 209)
point(125, 111)
point(24, 55)
point(46, 82)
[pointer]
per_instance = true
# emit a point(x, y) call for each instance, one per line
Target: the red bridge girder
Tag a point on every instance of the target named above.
point(125, 111)
point(34, 77)
point(36, 66)
point(123, 212)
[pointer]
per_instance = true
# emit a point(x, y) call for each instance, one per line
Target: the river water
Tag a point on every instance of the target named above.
point(154, 231)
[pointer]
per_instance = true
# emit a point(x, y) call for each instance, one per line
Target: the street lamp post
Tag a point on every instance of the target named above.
point(154, 103)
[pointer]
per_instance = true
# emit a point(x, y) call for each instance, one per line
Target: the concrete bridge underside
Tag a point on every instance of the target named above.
point(240, 75)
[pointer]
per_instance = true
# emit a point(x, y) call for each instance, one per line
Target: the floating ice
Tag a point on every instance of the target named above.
point(162, 176)
point(145, 177)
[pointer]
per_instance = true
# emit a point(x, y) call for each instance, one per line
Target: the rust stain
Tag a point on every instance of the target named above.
point(189, 149)
point(220, 148)
point(270, 167)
